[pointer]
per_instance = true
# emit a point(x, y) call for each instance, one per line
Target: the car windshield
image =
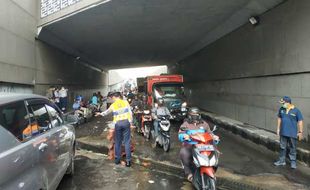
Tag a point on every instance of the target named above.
point(168, 90)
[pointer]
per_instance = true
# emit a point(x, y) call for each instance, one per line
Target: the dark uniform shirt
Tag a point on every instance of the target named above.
point(289, 119)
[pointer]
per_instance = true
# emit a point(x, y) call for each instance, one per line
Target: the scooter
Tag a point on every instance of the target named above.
point(205, 161)
point(163, 138)
point(146, 123)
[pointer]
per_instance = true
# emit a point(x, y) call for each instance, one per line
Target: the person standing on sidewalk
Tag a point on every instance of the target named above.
point(63, 97)
point(122, 118)
point(289, 128)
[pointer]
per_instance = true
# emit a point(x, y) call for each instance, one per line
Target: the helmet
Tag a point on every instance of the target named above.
point(194, 114)
point(116, 94)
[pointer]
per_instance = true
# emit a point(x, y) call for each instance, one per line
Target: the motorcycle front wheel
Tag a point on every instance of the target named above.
point(166, 145)
point(147, 132)
point(209, 183)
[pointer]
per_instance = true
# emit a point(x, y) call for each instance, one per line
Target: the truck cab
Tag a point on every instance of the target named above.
point(171, 89)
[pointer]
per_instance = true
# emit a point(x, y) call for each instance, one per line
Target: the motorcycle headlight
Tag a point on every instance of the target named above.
point(146, 112)
point(165, 127)
point(184, 104)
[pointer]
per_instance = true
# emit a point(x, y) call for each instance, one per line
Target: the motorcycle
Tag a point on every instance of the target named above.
point(146, 123)
point(205, 161)
point(163, 137)
point(137, 119)
point(83, 114)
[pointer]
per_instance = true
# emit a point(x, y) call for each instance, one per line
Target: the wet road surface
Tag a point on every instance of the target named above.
point(94, 171)
point(240, 159)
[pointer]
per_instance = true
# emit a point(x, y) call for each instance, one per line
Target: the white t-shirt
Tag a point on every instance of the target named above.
point(63, 93)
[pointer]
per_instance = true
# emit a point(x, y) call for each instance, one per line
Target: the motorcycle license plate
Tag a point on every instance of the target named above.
point(206, 148)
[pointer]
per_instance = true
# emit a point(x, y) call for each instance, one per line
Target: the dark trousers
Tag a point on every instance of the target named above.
point(122, 131)
point(290, 143)
point(63, 103)
point(187, 159)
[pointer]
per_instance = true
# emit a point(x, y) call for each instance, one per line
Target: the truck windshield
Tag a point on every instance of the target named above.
point(168, 90)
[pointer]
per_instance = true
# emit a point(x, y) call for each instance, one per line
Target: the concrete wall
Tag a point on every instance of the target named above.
point(243, 74)
point(28, 65)
point(53, 67)
point(17, 46)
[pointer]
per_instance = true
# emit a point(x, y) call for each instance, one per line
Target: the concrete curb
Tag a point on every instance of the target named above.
point(254, 134)
point(172, 168)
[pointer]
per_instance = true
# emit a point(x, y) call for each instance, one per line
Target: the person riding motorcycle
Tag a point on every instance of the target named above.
point(159, 110)
point(193, 124)
point(136, 105)
point(136, 102)
point(145, 105)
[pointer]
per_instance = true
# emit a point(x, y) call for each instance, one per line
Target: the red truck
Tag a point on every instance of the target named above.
point(168, 87)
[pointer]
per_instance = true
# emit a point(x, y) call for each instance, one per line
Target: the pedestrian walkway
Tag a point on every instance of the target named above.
point(257, 135)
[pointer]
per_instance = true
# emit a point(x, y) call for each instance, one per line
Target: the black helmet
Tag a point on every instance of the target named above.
point(194, 114)
point(116, 94)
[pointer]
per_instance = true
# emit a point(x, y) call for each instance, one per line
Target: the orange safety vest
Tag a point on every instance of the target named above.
point(30, 130)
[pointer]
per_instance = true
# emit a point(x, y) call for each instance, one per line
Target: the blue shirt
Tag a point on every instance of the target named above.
point(289, 122)
point(94, 100)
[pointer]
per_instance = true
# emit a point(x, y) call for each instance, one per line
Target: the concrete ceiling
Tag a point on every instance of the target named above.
point(129, 33)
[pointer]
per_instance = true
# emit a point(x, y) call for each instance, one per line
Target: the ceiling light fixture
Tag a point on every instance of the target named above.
point(254, 20)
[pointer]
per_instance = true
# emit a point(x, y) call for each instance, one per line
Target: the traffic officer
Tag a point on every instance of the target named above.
point(289, 128)
point(122, 118)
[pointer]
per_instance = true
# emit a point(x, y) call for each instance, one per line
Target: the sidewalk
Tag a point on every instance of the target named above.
point(254, 134)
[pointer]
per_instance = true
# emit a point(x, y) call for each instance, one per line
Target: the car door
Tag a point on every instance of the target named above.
point(65, 137)
point(18, 160)
point(47, 142)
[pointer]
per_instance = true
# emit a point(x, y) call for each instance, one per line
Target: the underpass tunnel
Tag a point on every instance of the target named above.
point(230, 66)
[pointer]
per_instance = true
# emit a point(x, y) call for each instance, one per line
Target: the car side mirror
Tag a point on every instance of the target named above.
point(71, 118)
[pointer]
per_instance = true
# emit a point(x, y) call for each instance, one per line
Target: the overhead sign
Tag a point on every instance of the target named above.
point(49, 7)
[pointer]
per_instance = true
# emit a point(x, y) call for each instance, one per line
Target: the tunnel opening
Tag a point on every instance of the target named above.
point(126, 78)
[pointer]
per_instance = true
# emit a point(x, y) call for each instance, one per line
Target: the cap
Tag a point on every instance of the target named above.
point(285, 99)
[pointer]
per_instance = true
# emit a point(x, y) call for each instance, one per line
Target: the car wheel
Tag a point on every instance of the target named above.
point(70, 169)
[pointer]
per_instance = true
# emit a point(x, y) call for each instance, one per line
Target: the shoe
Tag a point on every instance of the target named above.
point(279, 163)
point(190, 178)
point(117, 162)
point(293, 165)
point(128, 163)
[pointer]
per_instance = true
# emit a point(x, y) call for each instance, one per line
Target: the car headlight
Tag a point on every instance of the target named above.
point(184, 104)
